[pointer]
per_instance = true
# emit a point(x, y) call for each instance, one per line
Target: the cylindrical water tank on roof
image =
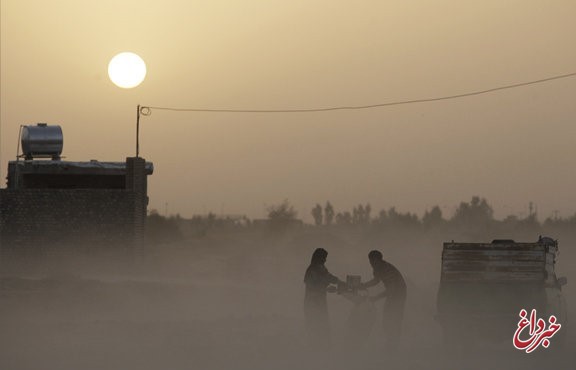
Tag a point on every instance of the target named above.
point(42, 141)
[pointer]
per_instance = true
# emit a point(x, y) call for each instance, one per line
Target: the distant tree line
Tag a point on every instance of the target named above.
point(476, 212)
point(474, 216)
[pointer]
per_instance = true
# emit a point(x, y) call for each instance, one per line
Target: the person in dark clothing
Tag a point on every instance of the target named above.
point(317, 280)
point(395, 294)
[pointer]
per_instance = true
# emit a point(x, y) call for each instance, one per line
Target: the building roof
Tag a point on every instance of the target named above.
point(93, 167)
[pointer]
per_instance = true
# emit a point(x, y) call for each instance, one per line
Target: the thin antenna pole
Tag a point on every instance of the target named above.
point(137, 131)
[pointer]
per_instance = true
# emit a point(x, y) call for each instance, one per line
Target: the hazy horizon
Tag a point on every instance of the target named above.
point(511, 147)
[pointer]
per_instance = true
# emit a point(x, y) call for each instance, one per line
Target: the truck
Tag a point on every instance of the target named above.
point(485, 286)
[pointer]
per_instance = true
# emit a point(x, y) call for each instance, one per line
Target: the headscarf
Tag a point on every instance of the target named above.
point(319, 256)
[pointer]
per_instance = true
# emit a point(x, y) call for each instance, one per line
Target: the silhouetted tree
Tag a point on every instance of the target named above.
point(356, 215)
point(317, 214)
point(282, 215)
point(402, 220)
point(382, 218)
point(343, 218)
point(367, 212)
point(361, 214)
point(476, 214)
point(433, 218)
point(328, 213)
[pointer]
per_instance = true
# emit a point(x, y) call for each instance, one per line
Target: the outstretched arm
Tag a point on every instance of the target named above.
point(369, 284)
point(333, 279)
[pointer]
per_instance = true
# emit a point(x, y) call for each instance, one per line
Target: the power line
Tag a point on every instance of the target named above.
point(147, 110)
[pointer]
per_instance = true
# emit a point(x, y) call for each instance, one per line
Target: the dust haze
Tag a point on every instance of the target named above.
point(284, 55)
point(232, 298)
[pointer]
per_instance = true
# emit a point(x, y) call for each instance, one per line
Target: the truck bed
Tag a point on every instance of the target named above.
point(498, 262)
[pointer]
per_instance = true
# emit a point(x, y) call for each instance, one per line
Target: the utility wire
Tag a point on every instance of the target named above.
point(147, 110)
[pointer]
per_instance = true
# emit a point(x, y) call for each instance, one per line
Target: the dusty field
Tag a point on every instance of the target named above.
point(231, 305)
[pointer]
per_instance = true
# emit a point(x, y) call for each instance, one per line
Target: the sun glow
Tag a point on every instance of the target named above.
point(127, 70)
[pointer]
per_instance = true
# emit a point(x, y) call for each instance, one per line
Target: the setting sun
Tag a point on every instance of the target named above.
point(127, 70)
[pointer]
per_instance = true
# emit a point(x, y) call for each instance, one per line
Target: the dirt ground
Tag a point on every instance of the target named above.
point(221, 304)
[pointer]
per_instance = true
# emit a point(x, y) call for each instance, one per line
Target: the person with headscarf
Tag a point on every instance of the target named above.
point(395, 294)
point(317, 280)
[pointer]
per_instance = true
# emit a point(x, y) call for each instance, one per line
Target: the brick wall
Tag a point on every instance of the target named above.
point(41, 219)
point(136, 182)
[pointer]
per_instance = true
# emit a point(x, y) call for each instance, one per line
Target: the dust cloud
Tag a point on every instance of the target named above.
point(234, 301)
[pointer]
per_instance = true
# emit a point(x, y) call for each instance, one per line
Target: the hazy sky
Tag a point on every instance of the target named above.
point(512, 147)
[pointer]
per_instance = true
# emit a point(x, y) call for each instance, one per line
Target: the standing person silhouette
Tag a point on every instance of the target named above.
point(317, 280)
point(395, 295)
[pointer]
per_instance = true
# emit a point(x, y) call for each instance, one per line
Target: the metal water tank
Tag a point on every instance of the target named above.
point(42, 141)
